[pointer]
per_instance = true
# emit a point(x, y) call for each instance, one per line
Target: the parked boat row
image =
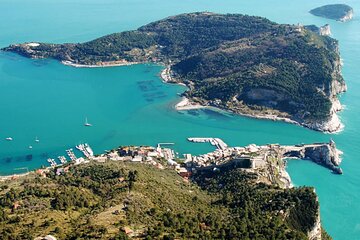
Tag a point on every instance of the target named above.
point(62, 159)
point(52, 162)
point(71, 154)
point(86, 150)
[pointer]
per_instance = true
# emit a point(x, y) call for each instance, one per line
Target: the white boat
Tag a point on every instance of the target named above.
point(88, 149)
point(9, 139)
point(87, 124)
point(30, 147)
point(37, 140)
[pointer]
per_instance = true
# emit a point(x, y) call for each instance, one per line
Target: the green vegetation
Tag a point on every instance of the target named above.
point(227, 60)
point(125, 200)
point(332, 11)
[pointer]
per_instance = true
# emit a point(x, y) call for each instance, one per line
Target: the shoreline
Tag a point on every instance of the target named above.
point(102, 64)
point(186, 104)
point(10, 177)
point(332, 126)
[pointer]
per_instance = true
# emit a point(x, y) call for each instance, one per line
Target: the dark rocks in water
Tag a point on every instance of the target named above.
point(29, 157)
point(338, 170)
point(8, 159)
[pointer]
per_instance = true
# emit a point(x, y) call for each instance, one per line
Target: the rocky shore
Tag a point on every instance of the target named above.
point(332, 124)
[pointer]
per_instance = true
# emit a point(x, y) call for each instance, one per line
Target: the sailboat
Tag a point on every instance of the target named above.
point(9, 139)
point(37, 140)
point(86, 124)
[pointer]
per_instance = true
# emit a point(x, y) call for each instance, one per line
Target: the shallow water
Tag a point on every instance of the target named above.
point(130, 105)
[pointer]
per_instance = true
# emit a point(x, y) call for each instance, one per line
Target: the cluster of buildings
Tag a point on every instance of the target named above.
point(144, 154)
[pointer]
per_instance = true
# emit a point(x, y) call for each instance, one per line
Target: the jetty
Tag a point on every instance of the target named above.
point(217, 142)
point(71, 154)
point(62, 159)
point(52, 162)
point(86, 150)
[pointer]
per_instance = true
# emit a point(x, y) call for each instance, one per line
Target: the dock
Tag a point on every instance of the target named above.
point(160, 144)
point(62, 159)
point(86, 150)
point(217, 142)
point(52, 162)
point(71, 154)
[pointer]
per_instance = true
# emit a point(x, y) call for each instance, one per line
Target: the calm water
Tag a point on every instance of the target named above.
point(130, 105)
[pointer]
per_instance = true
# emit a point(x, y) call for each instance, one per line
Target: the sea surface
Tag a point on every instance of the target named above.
point(130, 104)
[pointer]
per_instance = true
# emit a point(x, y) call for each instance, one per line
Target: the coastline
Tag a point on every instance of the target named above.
point(14, 176)
point(331, 126)
point(100, 65)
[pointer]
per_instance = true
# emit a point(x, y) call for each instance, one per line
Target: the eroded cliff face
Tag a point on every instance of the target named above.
point(325, 154)
point(348, 16)
point(336, 87)
point(315, 233)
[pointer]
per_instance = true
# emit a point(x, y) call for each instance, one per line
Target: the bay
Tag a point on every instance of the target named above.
point(130, 104)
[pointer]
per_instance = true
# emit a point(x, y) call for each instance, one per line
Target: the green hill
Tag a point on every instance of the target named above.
point(103, 201)
point(246, 64)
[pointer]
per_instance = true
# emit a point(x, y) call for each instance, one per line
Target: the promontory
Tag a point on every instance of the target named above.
point(338, 12)
point(244, 64)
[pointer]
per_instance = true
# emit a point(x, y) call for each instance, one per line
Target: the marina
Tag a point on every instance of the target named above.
point(86, 150)
point(217, 142)
point(62, 159)
point(71, 154)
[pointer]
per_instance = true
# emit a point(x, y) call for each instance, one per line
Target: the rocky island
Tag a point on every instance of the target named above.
point(338, 12)
point(244, 64)
point(144, 192)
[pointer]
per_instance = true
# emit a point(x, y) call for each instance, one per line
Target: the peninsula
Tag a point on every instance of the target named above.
point(244, 64)
point(144, 192)
point(338, 12)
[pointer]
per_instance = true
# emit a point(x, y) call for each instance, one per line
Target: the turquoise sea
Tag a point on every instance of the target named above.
point(130, 105)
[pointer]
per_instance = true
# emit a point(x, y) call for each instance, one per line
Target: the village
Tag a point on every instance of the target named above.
point(268, 161)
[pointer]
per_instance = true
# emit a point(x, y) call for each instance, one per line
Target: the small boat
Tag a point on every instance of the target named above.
point(37, 140)
point(86, 124)
point(9, 139)
point(30, 147)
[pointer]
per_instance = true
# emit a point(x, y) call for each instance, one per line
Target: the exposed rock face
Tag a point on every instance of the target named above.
point(322, 31)
point(315, 233)
point(348, 16)
point(325, 154)
point(325, 30)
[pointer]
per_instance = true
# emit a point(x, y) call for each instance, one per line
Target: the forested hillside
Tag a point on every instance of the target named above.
point(127, 200)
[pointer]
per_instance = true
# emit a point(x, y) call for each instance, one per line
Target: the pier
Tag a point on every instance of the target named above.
point(52, 162)
point(86, 150)
point(217, 142)
point(160, 144)
point(71, 154)
point(62, 159)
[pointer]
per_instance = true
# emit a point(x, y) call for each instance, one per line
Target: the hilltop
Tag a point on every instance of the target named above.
point(245, 64)
point(121, 200)
point(338, 12)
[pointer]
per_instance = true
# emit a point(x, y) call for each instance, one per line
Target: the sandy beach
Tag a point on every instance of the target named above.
point(185, 104)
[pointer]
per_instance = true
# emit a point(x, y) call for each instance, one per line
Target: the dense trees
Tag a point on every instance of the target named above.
point(231, 205)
